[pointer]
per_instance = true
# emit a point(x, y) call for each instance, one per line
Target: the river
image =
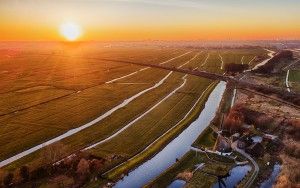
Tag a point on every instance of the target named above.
point(177, 147)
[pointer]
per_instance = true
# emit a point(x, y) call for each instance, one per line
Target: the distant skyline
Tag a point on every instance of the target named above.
point(105, 20)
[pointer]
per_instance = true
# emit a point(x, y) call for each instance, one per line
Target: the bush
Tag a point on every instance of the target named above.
point(24, 173)
point(38, 173)
point(1, 177)
point(234, 121)
point(96, 165)
point(292, 150)
point(8, 179)
point(235, 68)
point(83, 167)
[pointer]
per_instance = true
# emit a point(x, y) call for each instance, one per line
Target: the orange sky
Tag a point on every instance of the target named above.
point(151, 19)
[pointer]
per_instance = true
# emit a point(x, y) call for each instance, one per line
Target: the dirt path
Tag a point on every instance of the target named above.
point(270, 54)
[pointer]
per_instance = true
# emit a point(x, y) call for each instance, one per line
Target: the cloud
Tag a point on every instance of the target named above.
point(176, 3)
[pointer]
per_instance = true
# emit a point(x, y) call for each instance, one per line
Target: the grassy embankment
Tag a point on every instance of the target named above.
point(207, 140)
point(294, 80)
point(199, 178)
point(161, 142)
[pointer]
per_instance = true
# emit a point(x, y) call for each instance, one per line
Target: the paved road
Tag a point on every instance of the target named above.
point(256, 167)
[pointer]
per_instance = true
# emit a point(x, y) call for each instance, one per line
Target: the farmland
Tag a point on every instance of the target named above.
point(122, 108)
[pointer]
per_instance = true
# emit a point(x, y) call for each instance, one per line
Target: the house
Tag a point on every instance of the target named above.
point(241, 144)
point(235, 137)
point(270, 137)
point(222, 145)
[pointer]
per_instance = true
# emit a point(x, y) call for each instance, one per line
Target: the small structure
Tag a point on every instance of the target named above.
point(241, 144)
point(235, 137)
point(222, 145)
point(247, 126)
point(270, 137)
point(256, 150)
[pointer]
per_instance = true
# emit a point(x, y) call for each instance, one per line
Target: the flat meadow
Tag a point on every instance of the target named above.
point(50, 89)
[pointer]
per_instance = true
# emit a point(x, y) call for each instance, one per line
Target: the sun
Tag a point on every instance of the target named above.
point(70, 31)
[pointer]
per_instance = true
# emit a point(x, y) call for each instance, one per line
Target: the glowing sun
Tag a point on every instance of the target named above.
point(70, 31)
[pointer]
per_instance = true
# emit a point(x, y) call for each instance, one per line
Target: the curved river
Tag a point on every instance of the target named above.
point(177, 147)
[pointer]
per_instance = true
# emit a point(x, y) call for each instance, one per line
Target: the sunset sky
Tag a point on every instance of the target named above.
point(151, 19)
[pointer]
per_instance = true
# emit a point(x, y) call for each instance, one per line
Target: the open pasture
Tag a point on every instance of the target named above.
point(46, 93)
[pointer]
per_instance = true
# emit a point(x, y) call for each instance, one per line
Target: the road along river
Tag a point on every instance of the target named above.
point(177, 147)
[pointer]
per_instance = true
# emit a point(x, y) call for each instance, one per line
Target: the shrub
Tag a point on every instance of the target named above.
point(24, 173)
point(2, 174)
point(234, 121)
point(83, 167)
point(8, 179)
point(232, 67)
point(38, 173)
point(96, 165)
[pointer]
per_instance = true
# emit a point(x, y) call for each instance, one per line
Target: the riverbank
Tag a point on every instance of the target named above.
point(177, 147)
point(184, 170)
point(151, 150)
point(161, 141)
point(213, 163)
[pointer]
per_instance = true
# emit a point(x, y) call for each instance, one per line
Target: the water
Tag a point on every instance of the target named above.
point(82, 127)
point(236, 175)
point(177, 184)
point(257, 139)
point(269, 182)
point(177, 147)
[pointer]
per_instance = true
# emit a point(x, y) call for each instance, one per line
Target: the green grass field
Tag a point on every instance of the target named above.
point(47, 91)
point(294, 80)
point(187, 164)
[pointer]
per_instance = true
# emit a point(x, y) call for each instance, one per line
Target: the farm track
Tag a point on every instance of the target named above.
point(287, 81)
point(143, 69)
point(78, 129)
point(149, 110)
point(75, 92)
point(138, 118)
point(222, 62)
point(270, 54)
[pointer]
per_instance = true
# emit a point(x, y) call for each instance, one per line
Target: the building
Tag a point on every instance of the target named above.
point(256, 150)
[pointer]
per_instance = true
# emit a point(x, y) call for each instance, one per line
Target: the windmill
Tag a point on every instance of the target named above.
point(220, 178)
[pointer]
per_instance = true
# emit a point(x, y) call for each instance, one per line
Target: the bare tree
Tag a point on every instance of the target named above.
point(2, 174)
point(8, 180)
point(83, 167)
point(233, 121)
point(24, 173)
